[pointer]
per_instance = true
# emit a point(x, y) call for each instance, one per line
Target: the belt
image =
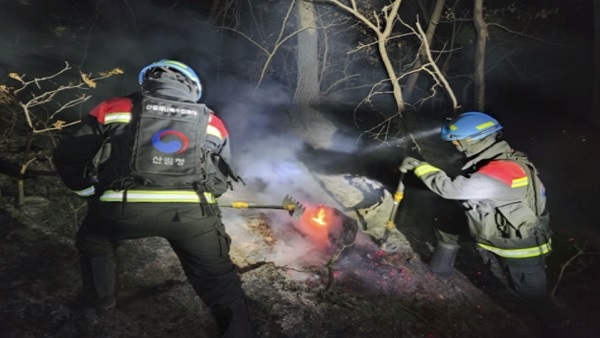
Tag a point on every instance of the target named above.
point(156, 196)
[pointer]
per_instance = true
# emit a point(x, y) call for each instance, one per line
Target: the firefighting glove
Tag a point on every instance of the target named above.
point(409, 163)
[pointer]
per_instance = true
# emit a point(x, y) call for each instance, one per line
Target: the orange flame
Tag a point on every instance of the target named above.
point(320, 218)
point(316, 223)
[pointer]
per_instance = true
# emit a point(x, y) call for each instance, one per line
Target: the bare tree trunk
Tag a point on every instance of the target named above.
point(433, 22)
point(595, 106)
point(215, 8)
point(482, 35)
point(307, 95)
point(116, 15)
point(215, 12)
point(307, 90)
point(225, 13)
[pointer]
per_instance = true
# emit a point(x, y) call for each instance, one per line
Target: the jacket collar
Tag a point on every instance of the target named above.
point(498, 150)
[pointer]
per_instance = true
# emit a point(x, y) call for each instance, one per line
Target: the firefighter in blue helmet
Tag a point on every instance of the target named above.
point(94, 161)
point(505, 204)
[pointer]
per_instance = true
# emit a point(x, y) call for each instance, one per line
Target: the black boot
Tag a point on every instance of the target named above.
point(442, 260)
point(98, 276)
point(232, 320)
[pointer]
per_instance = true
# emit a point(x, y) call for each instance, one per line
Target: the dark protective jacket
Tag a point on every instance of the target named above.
point(74, 155)
point(504, 201)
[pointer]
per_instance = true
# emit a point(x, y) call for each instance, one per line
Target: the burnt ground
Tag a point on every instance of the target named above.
point(295, 288)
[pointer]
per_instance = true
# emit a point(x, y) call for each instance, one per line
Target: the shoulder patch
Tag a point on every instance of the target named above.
point(113, 110)
point(509, 172)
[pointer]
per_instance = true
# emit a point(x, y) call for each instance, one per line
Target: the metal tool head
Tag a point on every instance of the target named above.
point(295, 208)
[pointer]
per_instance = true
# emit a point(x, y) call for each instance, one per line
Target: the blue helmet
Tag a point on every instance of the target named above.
point(470, 126)
point(177, 66)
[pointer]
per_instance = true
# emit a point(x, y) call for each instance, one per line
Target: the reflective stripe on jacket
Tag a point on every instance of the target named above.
point(87, 192)
point(155, 196)
point(520, 253)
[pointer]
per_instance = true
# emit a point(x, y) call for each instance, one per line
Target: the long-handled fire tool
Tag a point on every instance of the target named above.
point(293, 207)
point(390, 225)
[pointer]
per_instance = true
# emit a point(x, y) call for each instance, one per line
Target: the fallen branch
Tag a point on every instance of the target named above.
point(331, 270)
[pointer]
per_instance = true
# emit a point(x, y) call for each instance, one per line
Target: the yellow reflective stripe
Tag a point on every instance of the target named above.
point(485, 125)
point(212, 130)
point(157, 196)
point(210, 198)
point(519, 253)
point(520, 182)
point(87, 192)
point(117, 117)
point(425, 168)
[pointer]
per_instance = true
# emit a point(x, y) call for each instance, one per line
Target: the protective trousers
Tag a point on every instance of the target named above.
point(527, 278)
point(199, 240)
point(98, 277)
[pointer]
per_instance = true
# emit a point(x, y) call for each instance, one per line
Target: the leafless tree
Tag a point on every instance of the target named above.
point(307, 83)
point(431, 27)
point(482, 36)
point(385, 25)
point(38, 103)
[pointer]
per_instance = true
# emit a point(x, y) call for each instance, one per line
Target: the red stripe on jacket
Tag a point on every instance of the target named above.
point(505, 171)
point(117, 104)
point(124, 104)
point(217, 123)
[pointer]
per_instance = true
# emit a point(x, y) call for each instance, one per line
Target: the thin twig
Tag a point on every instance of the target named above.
point(563, 267)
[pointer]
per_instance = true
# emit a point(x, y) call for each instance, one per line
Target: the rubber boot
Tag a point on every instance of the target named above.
point(442, 260)
point(98, 276)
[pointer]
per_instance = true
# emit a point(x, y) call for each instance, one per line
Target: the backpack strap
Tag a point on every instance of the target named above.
point(534, 188)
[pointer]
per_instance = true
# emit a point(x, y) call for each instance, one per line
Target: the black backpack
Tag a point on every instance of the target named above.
point(163, 146)
point(168, 148)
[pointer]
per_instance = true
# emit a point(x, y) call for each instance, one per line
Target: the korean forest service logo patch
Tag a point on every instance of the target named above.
point(169, 141)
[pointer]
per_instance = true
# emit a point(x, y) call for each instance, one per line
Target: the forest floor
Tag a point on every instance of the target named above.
point(294, 288)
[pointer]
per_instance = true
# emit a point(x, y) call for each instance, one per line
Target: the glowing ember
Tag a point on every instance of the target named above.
point(320, 218)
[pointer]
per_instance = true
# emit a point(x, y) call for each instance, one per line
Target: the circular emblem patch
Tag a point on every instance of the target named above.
point(170, 141)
